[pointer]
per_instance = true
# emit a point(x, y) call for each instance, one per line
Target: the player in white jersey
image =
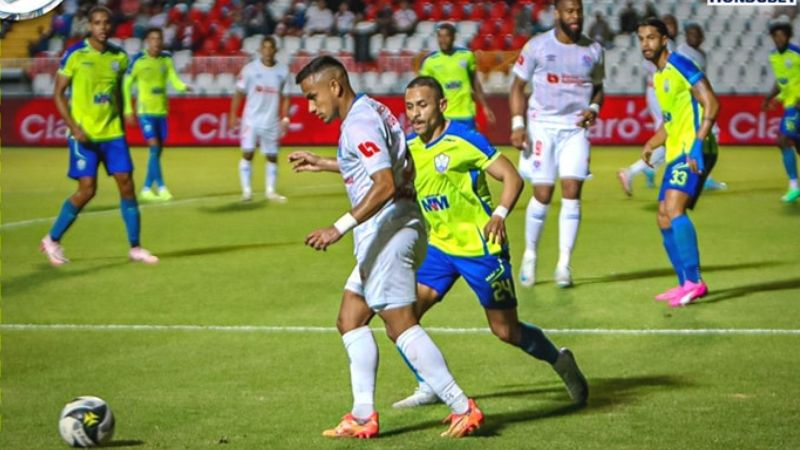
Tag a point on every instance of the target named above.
point(266, 116)
point(390, 242)
point(691, 49)
point(566, 71)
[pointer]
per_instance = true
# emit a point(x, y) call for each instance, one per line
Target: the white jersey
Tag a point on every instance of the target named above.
point(372, 140)
point(562, 77)
point(697, 56)
point(263, 87)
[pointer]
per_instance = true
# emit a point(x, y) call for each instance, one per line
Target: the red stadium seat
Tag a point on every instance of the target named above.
point(499, 10)
point(124, 30)
point(210, 47)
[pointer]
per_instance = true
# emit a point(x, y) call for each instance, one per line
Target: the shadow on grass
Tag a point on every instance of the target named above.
point(604, 393)
point(655, 273)
point(45, 273)
point(125, 443)
point(200, 251)
point(743, 291)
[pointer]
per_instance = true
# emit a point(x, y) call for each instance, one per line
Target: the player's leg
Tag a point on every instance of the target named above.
point(573, 167)
point(789, 134)
point(163, 193)
point(434, 279)
point(248, 145)
point(269, 146)
point(627, 175)
point(540, 166)
point(118, 163)
point(83, 162)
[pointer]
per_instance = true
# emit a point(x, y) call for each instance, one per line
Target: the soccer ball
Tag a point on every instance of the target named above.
point(86, 422)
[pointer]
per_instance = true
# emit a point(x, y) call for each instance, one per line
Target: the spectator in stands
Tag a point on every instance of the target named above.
point(628, 19)
point(385, 18)
point(523, 26)
point(319, 19)
point(344, 19)
point(158, 17)
point(672, 26)
point(60, 24)
point(80, 24)
point(545, 20)
point(601, 31)
point(404, 19)
point(41, 43)
point(294, 21)
point(257, 20)
point(650, 10)
point(5, 27)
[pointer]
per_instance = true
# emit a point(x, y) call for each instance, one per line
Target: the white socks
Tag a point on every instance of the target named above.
point(245, 169)
point(656, 159)
point(363, 353)
point(534, 223)
point(793, 184)
point(424, 356)
point(272, 175)
point(568, 221)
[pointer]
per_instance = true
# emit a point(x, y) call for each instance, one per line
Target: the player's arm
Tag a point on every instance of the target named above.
point(284, 112)
point(589, 115)
point(765, 105)
point(174, 79)
point(480, 97)
point(62, 105)
point(655, 141)
point(704, 94)
point(304, 161)
point(383, 189)
point(516, 100)
point(127, 96)
point(503, 171)
point(236, 103)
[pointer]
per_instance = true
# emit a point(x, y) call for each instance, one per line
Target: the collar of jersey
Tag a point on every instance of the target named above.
point(444, 133)
point(89, 46)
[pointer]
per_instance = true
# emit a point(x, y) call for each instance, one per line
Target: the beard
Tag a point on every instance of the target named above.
point(656, 55)
point(574, 35)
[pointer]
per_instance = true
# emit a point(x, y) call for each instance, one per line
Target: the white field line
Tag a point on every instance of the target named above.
point(24, 223)
point(442, 330)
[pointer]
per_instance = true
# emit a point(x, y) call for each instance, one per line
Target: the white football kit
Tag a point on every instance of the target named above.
point(562, 77)
point(263, 87)
point(391, 244)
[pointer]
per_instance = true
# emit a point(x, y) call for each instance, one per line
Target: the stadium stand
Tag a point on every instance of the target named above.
point(210, 39)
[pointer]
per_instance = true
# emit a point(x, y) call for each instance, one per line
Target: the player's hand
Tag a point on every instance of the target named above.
point(489, 115)
point(695, 157)
point(303, 161)
point(189, 88)
point(587, 118)
point(766, 104)
point(285, 126)
point(78, 134)
point(495, 230)
point(130, 120)
point(233, 121)
point(647, 152)
point(518, 138)
point(323, 238)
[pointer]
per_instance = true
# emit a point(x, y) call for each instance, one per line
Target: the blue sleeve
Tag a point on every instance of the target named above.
point(475, 138)
point(686, 67)
point(133, 62)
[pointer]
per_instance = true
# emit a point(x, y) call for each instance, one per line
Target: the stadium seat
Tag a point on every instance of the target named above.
point(226, 83)
point(55, 46)
point(333, 44)
point(416, 44)
point(426, 28)
point(467, 29)
point(181, 59)
point(251, 45)
point(132, 45)
point(394, 44)
point(43, 84)
point(369, 81)
point(204, 83)
point(375, 44)
point(291, 44)
point(313, 44)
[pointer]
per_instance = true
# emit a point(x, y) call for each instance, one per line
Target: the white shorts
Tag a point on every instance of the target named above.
point(386, 270)
point(555, 152)
point(267, 137)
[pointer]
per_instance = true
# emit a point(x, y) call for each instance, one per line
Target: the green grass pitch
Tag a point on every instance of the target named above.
point(231, 265)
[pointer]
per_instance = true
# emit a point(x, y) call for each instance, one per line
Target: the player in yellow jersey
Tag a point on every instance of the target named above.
point(150, 71)
point(785, 61)
point(689, 107)
point(93, 70)
point(454, 68)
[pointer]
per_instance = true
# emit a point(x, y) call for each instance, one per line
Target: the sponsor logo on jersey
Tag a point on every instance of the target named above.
point(453, 85)
point(587, 61)
point(434, 203)
point(100, 99)
point(666, 84)
point(550, 58)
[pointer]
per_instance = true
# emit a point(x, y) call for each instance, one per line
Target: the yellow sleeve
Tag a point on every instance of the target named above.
point(127, 91)
point(173, 77)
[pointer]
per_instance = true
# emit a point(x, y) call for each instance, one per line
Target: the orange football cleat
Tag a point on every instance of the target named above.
point(464, 424)
point(350, 427)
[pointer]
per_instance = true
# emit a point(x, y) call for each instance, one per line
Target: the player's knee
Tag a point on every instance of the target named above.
point(504, 332)
point(84, 194)
point(247, 156)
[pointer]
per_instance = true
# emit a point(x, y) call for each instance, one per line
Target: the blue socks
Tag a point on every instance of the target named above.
point(686, 242)
point(68, 214)
point(154, 168)
point(535, 343)
point(130, 215)
point(789, 162)
point(672, 252)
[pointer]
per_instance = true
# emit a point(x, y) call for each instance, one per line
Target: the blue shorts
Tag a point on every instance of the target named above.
point(490, 277)
point(154, 127)
point(679, 177)
point(790, 123)
point(469, 123)
point(85, 157)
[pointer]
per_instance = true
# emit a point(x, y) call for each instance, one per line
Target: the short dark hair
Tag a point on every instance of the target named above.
point(656, 23)
point(271, 39)
point(447, 26)
point(317, 65)
point(427, 81)
point(693, 26)
point(96, 9)
point(786, 27)
point(153, 30)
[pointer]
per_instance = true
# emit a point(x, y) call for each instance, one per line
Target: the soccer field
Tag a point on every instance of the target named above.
point(231, 339)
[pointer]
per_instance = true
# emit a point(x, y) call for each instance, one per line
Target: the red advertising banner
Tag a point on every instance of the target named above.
point(195, 121)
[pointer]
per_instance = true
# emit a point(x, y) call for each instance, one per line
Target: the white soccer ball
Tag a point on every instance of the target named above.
point(86, 422)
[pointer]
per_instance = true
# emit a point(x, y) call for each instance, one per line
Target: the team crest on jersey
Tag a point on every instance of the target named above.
point(587, 60)
point(463, 64)
point(440, 162)
point(788, 64)
point(81, 164)
point(115, 65)
point(666, 84)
